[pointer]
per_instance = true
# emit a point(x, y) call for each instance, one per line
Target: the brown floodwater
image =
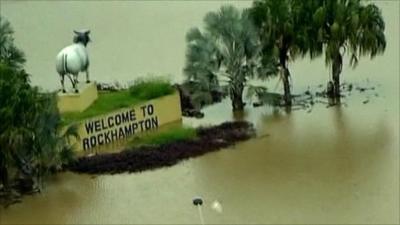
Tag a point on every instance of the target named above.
point(325, 165)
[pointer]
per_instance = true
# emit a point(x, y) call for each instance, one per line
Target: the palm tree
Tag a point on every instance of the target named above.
point(347, 26)
point(227, 51)
point(9, 53)
point(283, 34)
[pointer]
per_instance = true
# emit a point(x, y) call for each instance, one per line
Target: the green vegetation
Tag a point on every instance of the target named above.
point(347, 27)
point(261, 41)
point(228, 50)
point(147, 89)
point(289, 28)
point(30, 144)
point(283, 34)
point(106, 102)
point(141, 90)
point(9, 53)
point(165, 137)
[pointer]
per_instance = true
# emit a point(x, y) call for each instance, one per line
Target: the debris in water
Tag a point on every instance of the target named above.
point(216, 206)
point(197, 201)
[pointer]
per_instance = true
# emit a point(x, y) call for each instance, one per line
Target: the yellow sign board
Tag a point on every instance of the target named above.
point(77, 102)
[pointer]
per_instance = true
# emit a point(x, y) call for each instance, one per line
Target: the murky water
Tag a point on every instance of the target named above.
point(331, 165)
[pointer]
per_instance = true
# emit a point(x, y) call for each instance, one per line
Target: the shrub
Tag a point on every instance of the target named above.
point(146, 89)
point(30, 144)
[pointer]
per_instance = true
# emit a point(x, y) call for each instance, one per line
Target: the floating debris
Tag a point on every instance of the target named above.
point(308, 99)
point(216, 206)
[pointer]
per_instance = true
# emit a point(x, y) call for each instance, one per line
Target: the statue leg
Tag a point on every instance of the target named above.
point(75, 82)
point(76, 78)
point(62, 82)
point(87, 76)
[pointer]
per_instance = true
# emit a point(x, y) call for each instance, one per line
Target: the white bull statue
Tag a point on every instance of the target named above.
point(74, 59)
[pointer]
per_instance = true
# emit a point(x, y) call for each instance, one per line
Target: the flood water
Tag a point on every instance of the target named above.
point(332, 165)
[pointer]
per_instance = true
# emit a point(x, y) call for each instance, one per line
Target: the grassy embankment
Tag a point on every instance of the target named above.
point(148, 157)
point(141, 91)
point(163, 137)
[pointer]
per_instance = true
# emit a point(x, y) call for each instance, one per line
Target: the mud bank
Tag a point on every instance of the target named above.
point(151, 157)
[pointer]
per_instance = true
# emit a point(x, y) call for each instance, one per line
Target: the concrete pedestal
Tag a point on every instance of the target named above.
point(77, 102)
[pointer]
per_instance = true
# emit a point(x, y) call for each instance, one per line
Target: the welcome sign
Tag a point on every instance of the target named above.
point(108, 129)
point(129, 121)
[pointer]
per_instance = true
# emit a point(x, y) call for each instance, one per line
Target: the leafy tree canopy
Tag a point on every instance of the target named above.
point(9, 53)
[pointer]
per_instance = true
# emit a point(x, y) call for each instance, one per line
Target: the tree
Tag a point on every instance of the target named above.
point(9, 53)
point(30, 140)
point(227, 51)
point(31, 144)
point(347, 26)
point(283, 34)
point(13, 86)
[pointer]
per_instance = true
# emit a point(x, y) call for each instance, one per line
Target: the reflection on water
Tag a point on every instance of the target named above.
point(330, 165)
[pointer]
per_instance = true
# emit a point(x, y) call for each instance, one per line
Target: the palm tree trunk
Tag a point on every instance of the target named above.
point(285, 77)
point(336, 71)
point(286, 87)
point(236, 94)
point(4, 179)
point(237, 103)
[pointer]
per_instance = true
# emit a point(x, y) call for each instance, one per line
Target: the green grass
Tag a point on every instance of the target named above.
point(165, 137)
point(141, 91)
point(106, 102)
point(151, 88)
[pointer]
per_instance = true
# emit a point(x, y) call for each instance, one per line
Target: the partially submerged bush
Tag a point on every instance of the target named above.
point(146, 89)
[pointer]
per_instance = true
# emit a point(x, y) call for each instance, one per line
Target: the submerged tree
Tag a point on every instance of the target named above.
point(347, 26)
point(9, 53)
point(283, 34)
point(227, 51)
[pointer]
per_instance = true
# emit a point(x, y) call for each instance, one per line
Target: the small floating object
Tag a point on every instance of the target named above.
point(216, 206)
point(197, 201)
